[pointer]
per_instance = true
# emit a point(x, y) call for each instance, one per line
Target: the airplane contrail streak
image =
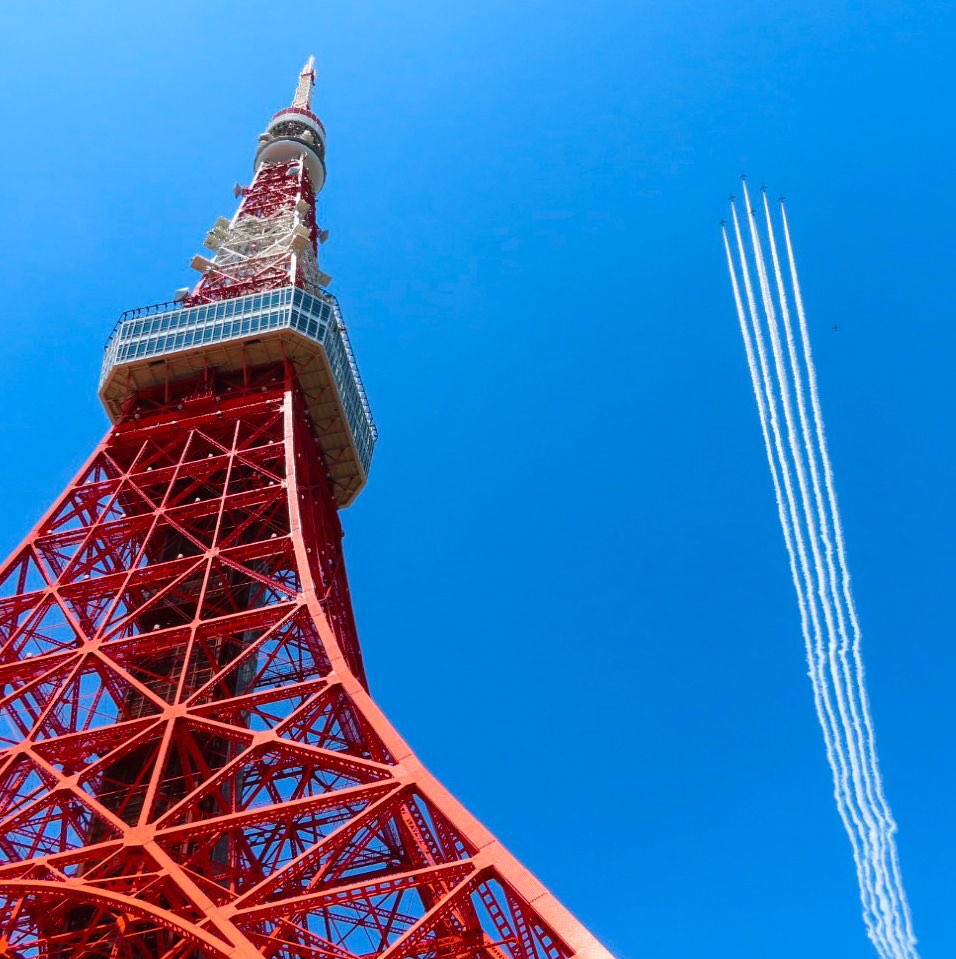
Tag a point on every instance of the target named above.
point(816, 654)
point(828, 510)
point(813, 535)
point(797, 568)
point(857, 739)
point(842, 683)
point(841, 555)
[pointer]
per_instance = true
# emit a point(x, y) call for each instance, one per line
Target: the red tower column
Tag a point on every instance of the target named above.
point(191, 762)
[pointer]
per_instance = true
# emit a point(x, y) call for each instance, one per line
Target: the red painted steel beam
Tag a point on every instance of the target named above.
point(192, 762)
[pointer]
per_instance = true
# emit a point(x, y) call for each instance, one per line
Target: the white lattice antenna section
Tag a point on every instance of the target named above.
point(303, 92)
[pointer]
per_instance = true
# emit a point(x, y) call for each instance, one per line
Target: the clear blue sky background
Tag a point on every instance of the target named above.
point(569, 579)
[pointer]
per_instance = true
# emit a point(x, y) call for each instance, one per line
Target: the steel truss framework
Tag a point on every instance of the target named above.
point(192, 764)
point(261, 249)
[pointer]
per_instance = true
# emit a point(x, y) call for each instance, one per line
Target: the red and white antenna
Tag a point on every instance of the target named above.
point(272, 240)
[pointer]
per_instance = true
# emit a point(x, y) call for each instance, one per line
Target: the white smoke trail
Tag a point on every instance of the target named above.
point(796, 568)
point(841, 554)
point(837, 678)
point(852, 673)
point(816, 654)
point(863, 804)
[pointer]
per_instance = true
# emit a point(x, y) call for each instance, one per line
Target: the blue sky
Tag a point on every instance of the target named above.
point(572, 591)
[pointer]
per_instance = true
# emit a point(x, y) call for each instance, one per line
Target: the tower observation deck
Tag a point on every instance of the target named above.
point(191, 763)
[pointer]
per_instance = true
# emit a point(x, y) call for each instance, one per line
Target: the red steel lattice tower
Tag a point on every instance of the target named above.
point(191, 763)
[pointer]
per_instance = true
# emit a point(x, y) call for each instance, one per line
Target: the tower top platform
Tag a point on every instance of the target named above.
point(155, 344)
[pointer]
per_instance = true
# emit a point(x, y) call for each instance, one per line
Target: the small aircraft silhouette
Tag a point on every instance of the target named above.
point(836, 327)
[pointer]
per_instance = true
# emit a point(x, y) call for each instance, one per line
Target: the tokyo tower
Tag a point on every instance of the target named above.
point(191, 764)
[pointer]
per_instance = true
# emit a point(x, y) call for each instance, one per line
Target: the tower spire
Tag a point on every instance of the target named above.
point(303, 91)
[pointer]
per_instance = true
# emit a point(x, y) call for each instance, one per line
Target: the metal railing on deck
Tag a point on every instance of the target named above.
point(161, 329)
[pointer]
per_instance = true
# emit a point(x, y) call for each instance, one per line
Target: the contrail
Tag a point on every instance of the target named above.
point(815, 649)
point(842, 685)
point(813, 536)
point(860, 750)
point(853, 671)
point(841, 554)
point(836, 653)
point(797, 569)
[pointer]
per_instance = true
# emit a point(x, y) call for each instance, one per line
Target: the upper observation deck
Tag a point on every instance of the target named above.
point(154, 344)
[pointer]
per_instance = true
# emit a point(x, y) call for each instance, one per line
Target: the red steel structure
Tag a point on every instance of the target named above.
point(192, 765)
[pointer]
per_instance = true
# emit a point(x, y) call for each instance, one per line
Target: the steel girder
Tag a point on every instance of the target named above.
point(192, 764)
point(260, 250)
